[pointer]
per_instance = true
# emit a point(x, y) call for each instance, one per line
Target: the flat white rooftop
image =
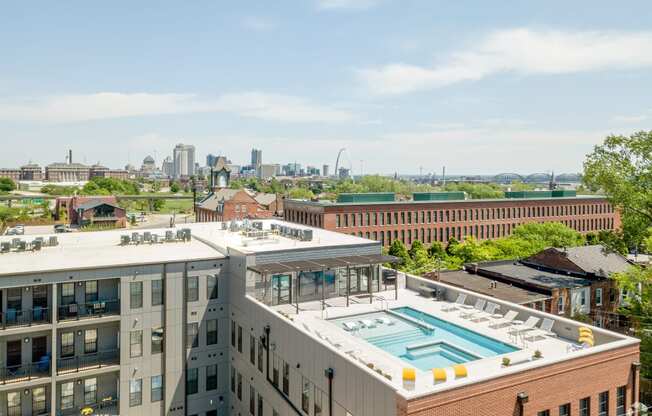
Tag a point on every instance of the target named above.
point(323, 325)
point(100, 249)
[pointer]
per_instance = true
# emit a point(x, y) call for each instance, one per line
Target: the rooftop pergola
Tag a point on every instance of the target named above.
point(321, 265)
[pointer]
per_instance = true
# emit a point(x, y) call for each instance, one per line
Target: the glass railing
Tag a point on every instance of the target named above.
point(88, 361)
point(25, 317)
point(19, 373)
point(108, 405)
point(95, 309)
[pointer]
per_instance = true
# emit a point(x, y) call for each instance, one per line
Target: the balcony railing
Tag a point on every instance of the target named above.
point(88, 361)
point(17, 373)
point(25, 317)
point(108, 406)
point(75, 311)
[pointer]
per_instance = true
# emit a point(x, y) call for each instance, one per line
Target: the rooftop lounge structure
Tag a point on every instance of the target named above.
point(267, 318)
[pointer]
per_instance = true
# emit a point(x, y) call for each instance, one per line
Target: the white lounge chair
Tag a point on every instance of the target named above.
point(486, 314)
point(385, 321)
point(453, 306)
point(368, 323)
point(544, 330)
point(526, 326)
point(350, 326)
point(477, 308)
point(506, 320)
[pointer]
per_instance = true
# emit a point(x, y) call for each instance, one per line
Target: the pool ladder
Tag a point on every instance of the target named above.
point(384, 303)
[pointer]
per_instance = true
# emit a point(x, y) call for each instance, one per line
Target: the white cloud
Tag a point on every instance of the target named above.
point(346, 4)
point(522, 51)
point(110, 105)
point(258, 24)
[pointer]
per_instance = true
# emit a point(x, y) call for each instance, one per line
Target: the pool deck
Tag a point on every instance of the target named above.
point(315, 322)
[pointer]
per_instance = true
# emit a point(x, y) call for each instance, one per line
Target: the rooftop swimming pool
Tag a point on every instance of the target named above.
point(421, 339)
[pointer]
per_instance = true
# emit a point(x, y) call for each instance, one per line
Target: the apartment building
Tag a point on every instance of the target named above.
point(264, 318)
point(382, 218)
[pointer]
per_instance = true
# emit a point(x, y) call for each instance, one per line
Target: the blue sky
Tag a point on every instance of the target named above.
point(481, 87)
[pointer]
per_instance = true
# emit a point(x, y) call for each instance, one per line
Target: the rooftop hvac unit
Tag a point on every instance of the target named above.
point(155, 238)
point(257, 225)
point(180, 234)
point(37, 244)
point(21, 246)
point(14, 242)
point(274, 226)
point(135, 237)
point(295, 232)
point(5, 247)
point(39, 239)
point(124, 240)
point(306, 235)
point(225, 226)
point(54, 241)
point(147, 236)
point(186, 234)
point(169, 235)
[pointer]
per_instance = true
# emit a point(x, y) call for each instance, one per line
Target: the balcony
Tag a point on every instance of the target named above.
point(19, 373)
point(88, 361)
point(27, 317)
point(98, 309)
point(106, 406)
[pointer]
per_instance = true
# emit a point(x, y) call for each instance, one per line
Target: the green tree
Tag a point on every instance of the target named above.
point(436, 250)
point(7, 185)
point(416, 246)
point(622, 168)
point(450, 246)
point(549, 234)
point(398, 249)
point(174, 187)
point(300, 193)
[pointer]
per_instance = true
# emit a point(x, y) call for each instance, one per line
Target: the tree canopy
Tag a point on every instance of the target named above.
point(621, 168)
point(7, 185)
point(109, 186)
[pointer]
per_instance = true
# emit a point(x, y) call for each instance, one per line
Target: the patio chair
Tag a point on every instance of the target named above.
point(529, 325)
point(506, 320)
point(453, 306)
point(486, 314)
point(477, 308)
point(544, 330)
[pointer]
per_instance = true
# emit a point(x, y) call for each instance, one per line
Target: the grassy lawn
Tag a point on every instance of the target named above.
point(176, 205)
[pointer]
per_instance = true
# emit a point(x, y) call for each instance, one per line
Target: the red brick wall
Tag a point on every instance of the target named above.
point(547, 388)
point(584, 215)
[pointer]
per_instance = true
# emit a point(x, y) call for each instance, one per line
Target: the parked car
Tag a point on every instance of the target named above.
point(61, 228)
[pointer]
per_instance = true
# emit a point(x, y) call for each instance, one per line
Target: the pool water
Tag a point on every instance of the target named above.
point(421, 339)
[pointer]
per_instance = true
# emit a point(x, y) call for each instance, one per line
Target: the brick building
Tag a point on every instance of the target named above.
point(104, 172)
point(67, 172)
point(13, 174)
point(380, 217)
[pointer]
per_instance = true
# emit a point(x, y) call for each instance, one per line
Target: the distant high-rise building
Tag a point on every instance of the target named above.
point(184, 160)
point(210, 159)
point(168, 167)
point(324, 170)
point(256, 158)
point(269, 171)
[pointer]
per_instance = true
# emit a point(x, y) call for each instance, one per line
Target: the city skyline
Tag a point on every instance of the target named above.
point(414, 85)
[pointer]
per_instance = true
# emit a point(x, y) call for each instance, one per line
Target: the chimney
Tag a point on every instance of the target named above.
point(70, 156)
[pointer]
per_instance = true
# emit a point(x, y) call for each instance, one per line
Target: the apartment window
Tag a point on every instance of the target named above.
point(211, 287)
point(135, 392)
point(252, 400)
point(192, 336)
point(276, 368)
point(598, 296)
point(90, 391)
point(585, 406)
point(260, 356)
point(67, 395)
point(211, 332)
point(158, 337)
point(252, 349)
point(157, 292)
point(233, 334)
point(260, 405)
point(13, 404)
point(543, 413)
point(318, 402)
point(90, 289)
point(564, 409)
point(39, 400)
point(239, 339)
point(211, 377)
point(560, 305)
point(620, 400)
point(286, 378)
point(603, 404)
point(67, 294)
point(192, 381)
point(67, 344)
point(157, 388)
point(90, 341)
point(136, 295)
point(192, 289)
point(305, 395)
point(232, 379)
point(136, 344)
point(239, 386)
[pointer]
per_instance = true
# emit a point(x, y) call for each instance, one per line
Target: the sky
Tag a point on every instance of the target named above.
point(403, 85)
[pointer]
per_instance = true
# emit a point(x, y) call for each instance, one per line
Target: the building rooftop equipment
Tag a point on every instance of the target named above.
point(366, 197)
point(439, 196)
